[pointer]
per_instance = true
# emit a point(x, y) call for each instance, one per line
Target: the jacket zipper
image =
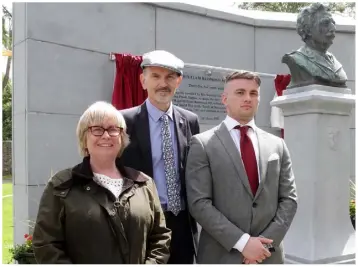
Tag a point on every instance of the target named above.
point(116, 203)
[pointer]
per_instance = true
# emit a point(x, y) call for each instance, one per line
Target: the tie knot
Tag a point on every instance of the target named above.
point(164, 117)
point(243, 129)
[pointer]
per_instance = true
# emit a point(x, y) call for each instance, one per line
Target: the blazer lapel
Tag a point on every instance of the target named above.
point(264, 151)
point(143, 136)
point(224, 135)
point(180, 127)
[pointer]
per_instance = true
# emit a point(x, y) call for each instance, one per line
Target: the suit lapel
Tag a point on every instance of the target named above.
point(143, 136)
point(224, 136)
point(180, 128)
point(264, 151)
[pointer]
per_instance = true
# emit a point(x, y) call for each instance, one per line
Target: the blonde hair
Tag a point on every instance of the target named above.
point(96, 114)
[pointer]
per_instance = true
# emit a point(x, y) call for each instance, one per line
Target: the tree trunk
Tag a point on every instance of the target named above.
point(7, 73)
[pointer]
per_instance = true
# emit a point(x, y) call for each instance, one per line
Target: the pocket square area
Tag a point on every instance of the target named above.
point(273, 156)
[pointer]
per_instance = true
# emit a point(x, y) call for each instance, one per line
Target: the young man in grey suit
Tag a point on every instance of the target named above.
point(160, 133)
point(240, 183)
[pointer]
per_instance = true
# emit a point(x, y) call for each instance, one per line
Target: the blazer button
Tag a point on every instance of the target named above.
point(254, 205)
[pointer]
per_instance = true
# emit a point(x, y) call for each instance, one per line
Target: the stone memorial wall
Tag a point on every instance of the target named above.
point(200, 92)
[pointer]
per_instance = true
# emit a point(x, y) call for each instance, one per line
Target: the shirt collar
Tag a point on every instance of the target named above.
point(156, 113)
point(232, 123)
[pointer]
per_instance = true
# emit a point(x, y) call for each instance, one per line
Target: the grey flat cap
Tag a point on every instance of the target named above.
point(164, 59)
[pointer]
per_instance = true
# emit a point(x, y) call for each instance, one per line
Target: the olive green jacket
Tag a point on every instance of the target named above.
point(81, 222)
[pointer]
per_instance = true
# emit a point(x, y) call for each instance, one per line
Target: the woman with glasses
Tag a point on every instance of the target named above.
point(99, 211)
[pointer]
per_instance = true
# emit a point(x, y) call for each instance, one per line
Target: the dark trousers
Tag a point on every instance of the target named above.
point(181, 245)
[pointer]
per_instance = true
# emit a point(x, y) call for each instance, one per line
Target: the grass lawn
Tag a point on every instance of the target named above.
point(6, 177)
point(7, 224)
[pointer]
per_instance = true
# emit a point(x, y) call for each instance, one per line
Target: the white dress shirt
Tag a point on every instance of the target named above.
point(235, 135)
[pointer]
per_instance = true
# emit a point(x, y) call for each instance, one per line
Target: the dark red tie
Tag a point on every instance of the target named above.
point(249, 158)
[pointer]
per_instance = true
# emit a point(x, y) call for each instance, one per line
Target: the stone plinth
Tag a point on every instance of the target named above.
point(317, 135)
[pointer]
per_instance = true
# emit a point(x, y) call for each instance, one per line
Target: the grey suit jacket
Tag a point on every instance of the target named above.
point(220, 199)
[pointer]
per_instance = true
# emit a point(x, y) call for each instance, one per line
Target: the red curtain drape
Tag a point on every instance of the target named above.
point(128, 91)
point(281, 82)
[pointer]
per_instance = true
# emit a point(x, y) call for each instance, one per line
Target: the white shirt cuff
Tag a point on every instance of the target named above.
point(240, 245)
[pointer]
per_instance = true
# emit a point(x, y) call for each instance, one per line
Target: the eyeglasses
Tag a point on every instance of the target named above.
point(99, 131)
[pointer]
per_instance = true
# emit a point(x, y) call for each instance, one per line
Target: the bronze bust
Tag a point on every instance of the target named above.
point(312, 64)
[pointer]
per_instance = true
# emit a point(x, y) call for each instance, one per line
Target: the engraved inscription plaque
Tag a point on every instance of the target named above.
point(200, 92)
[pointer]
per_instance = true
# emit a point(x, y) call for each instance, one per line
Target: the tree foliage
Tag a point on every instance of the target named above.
point(6, 41)
point(295, 7)
point(6, 82)
point(6, 31)
point(7, 112)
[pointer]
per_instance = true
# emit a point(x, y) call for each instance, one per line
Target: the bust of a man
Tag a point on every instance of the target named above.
point(312, 64)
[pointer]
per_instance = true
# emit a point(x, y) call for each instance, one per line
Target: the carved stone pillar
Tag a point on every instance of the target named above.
point(317, 135)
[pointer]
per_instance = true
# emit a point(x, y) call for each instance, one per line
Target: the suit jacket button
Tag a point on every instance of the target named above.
point(254, 205)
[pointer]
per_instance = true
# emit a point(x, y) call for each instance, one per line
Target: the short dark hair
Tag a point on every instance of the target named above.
point(243, 74)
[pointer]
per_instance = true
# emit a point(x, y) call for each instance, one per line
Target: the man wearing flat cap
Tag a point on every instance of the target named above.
point(160, 133)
